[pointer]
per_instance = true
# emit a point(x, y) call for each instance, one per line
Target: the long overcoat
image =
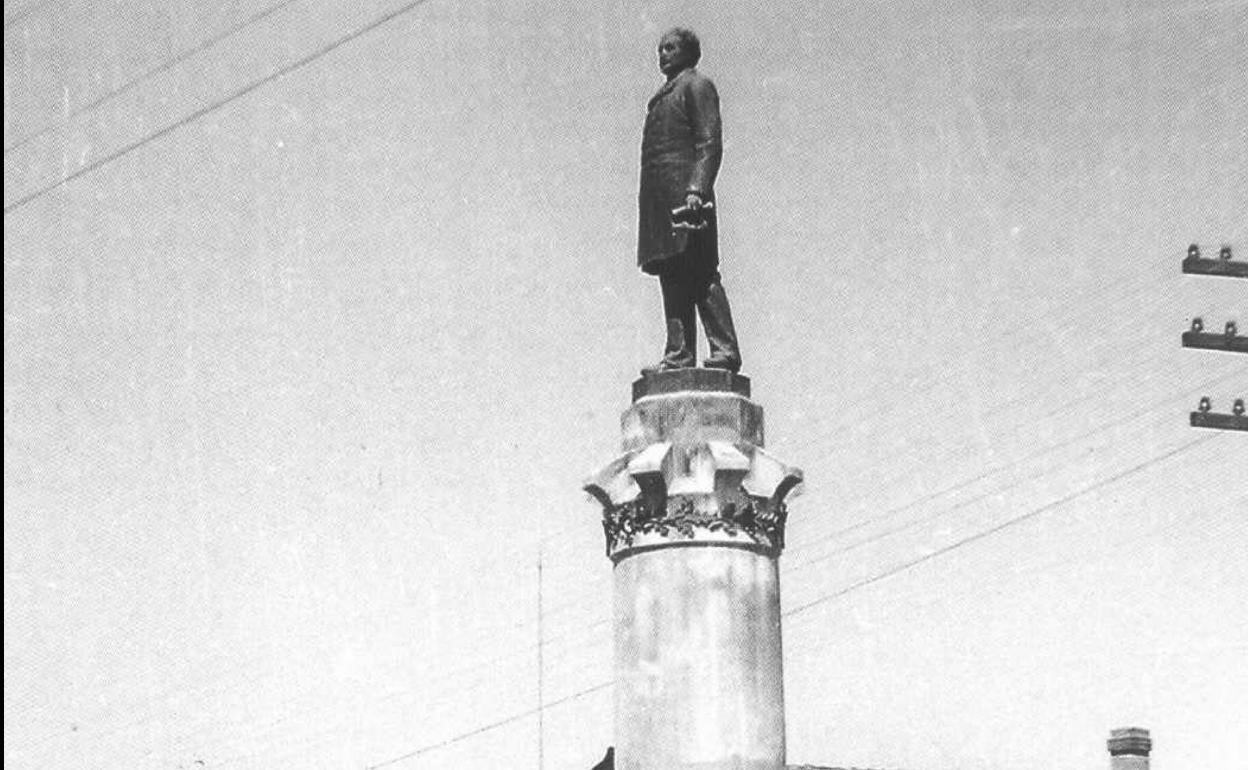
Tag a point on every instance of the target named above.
point(681, 149)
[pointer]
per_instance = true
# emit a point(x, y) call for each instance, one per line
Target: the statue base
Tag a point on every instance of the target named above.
point(694, 517)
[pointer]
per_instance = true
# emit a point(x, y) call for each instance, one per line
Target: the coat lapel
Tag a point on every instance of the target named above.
point(666, 89)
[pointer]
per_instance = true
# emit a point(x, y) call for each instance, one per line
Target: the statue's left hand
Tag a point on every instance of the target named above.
point(692, 215)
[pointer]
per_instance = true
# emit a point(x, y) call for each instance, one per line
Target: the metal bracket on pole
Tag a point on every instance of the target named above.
point(1204, 418)
point(1229, 340)
point(1224, 266)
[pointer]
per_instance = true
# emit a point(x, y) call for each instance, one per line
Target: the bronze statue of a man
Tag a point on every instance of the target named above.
point(681, 148)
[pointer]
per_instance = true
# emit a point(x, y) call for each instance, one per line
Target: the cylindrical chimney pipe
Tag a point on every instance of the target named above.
point(1129, 748)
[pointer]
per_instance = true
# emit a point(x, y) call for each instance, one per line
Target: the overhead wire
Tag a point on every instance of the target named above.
point(996, 579)
point(991, 472)
point(8, 211)
point(876, 518)
point(1124, 296)
point(1070, 308)
point(1134, 415)
point(921, 559)
point(1000, 571)
point(1166, 529)
point(981, 535)
point(22, 13)
point(481, 665)
point(161, 68)
point(280, 72)
point(879, 411)
point(492, 726)
point(151, 703)
point(864, 583)
point(564, 528)
point(1007, 524)
point(1140, 363)
point(217, 104)
point(464, 690)
point(805, 546)
point(484, 664)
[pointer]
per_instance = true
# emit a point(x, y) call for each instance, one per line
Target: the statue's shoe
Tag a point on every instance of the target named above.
point(662, 366)
point(727, 364)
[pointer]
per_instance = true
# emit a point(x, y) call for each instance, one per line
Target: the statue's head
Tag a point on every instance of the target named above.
point(679, 49)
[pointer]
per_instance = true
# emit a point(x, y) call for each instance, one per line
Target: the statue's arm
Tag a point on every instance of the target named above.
point(702, 107)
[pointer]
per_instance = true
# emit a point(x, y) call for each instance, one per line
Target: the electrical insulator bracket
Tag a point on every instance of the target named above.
point(1237, 343)
point(1219, 421)
point(1194, 264)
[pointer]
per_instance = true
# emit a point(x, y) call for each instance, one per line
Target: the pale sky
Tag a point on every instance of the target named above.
point(299, 392)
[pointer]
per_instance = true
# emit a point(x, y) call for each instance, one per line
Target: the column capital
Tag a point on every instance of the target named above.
point(694, 471)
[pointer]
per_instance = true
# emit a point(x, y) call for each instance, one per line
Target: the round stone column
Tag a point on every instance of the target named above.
point(694, 515)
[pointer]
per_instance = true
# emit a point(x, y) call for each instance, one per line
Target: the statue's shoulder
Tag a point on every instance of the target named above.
point(695, 76)
point(696, 81)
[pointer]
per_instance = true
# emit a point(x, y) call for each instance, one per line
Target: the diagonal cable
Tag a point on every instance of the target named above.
point(860, 584)
point(906, 565)
point(492, 726)
point(163, 67)
point(218, 104)
point(22, 13)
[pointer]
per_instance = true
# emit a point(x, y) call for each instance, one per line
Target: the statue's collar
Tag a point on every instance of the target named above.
point(667, 87)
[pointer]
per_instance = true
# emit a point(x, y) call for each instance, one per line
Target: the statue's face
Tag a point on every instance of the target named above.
point(672, 54)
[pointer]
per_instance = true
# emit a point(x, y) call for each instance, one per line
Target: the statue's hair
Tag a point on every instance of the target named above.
point(689, 41)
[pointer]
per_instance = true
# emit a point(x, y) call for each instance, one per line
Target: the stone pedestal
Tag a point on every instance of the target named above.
point(694, 515)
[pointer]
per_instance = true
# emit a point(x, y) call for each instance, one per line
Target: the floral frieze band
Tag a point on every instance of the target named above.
point(759, 521)
point(693, 493)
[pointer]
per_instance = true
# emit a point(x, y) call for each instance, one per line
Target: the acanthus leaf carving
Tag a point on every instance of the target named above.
point(763, 521)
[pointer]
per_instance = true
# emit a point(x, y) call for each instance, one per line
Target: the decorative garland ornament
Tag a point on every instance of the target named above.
point(758, 521)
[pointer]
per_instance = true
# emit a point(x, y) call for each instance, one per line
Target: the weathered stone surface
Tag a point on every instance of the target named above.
point(693, 520)
point(694, 516)
point(692, 416)
point(694, 492)
point(698, 678)
point(693, 471)
point(677, 380)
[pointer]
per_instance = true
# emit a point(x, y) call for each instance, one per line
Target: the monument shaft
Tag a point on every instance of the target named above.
point(694, 517)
